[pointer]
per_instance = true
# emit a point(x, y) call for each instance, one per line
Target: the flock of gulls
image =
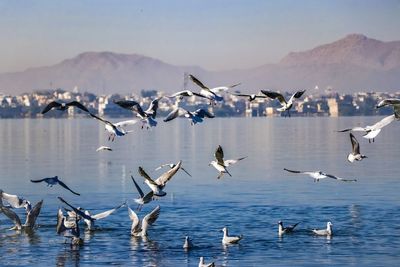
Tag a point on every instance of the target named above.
point(68, 224)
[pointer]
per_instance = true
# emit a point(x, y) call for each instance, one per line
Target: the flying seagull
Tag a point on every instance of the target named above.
point(285, 105)
point(14, 201)
point(284, 230)
point(251, 97)
point(146, 116)
point(355, 152)
point(226, 239)
point(52, 181)
point(106, 148)
point(115, 129)
point(158, 185)
point(211, 93)
point(172, 165)
point(324, 232)
point(220, 164)
point(64, 106)
point(140, 229)
point(318, 175)
point(31, 216)
point(395, 103)
point(194, 117)
point(144, 199)
point(372, 131)
point(203, 264)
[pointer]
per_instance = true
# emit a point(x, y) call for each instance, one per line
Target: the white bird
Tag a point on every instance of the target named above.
point(140, 229)
point(211, 93)
point(395, 103)
point(69, 228)
point(64, 106)
point(202, 264)
point(194, 117)
point(144, 199)
point(324, 232)
point(250, 97)
point(31, 216)
point(372, 131)
point(146, 116)
point(185, 93)
point(158, 185)
point(284, 230)
point(53, 181)
point(220, 164)
point(318, 175)
point(106, 148)
point(188, 243)
point(355, 153)
point(285, 105)
point(172, 165)
point(226, 239)
point(14, 201)
point(116, 129)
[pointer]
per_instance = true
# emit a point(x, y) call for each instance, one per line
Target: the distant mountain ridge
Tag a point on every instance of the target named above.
point(353, 63)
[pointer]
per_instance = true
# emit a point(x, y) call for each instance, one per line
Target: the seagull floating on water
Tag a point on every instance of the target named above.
point(140, 229)
point(31, 216)
point(355, 153)
point(226, 239)
point(395, 103)
point(188, 243)
point(318, 175)
point(202, 264)
point(146, 116)
point(372, 131)
point(144, 199)
point(64, 106)
point(284, 230)
point(324, 232)
point(220, 164)
point(172, 165)
point(285, 105)
point(194, 117)
point(106, 148)
point(69, 227)
point(158, 185)
point(116, 129)
point(54, 180)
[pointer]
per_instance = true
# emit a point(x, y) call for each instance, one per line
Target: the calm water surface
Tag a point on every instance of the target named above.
point(365, 214)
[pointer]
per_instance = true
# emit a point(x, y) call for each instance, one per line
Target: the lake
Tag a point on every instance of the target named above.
point(365, 214)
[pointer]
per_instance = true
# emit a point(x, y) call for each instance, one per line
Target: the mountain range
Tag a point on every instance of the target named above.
point(353, 63)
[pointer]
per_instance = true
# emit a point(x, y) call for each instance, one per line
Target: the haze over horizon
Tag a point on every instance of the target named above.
point(215, 35)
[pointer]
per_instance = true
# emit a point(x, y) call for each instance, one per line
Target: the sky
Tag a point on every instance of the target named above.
point(213, 34)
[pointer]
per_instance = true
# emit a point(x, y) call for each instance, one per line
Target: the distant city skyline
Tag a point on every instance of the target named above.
point(216, 35)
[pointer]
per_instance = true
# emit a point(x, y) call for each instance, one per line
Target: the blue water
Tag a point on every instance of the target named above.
point(365, 214)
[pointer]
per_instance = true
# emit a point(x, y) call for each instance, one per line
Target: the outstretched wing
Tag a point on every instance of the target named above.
point(78, 105)
point(354, 144)
point(340, 179)
point(137, 187)
point(196, 81)
point(152, 109)
point(50, 106)
point(15, 201)
point(384, 122)
point(293, 171)
point(146, 176)
point(38, 181)
point(105, 214)
point(219, 155)
point(150, 218)
point(127, 123)
point(165, 177)
point(175, 113)
point(298, 94)
point(60, 228)
point(66, 187)
point(355, 129)
point(203, 113)
point(135, 220)
point(12, 216)
point(274, 95)
point(77, 211)
point(232, 161)
point(33, 214)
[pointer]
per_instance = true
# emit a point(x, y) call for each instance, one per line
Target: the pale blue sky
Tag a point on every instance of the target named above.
point(215, 34)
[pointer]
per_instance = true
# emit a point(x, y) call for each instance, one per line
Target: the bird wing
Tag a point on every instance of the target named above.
point(196, 81)
point(50, 106)
point(181, 93)
point(103, 148)
point(162, 166)
point(105, 121)
point(137, 187)
point(60, 228)
point(203, 113)
point(340, 179)
point(175, 113)
point(389, 101)
point(15, 201)
point(77, 211)
point(293, 171)
point(105, 214)
point(148, 197)
point(129, 104)
point(12, 216)
point(354, 144)
point(135, 220)
point(382, 123)
point(186, 171)
point(232, 161)
point(355, 129)
point(150, 218)
point(165, 177)
point(274, 95)
point(219, 155)
point(244, 95)
point(152, 109)
point(146, 176)
point(298, 94)
point(126, 123)
point(66, 187)
point(78, 105)
point(33, 214)
point(39, 180)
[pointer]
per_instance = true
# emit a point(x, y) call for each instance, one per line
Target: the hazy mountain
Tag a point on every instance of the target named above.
point(353, 63)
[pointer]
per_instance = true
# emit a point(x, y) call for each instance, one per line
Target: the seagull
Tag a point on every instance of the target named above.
point(144, 199)
point(31, 216)
point(325, 232)
point(202, 264)
point(395, 103)
point(14, 201)
point(99, 216)
point(355, 153)
point(104, 148)
point(318, 175)
point(185, 93)
point(140, 229)
point(251, 97)
point(194, 117)
point(77, 212)
point(211, 94)
point(230, 239)
point(285, 105)
point(64, 106)
point(188, 243)
point(220, 164)
point(52, 181)
point(69, 227)
point(172, 165)
point(115, 129)
point(158, 185)
point(372, 131)
point(146, 116)
point(284, 230)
